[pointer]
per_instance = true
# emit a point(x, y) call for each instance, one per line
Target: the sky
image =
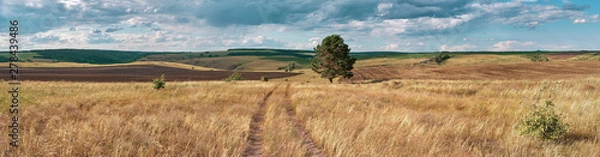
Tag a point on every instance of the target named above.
point(366, 25)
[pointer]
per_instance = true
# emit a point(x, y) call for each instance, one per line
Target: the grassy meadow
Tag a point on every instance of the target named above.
point(467, 106)
point(392, 118)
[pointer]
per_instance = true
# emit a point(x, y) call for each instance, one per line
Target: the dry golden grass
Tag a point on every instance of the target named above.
point(508, 71)
point(586, 57)
point(424, 117)
point(446, 118)
point(280, 139)
point(263, 65)
point(393, 118)
point(132, 119)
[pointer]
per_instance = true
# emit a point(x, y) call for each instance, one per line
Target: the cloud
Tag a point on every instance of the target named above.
point(465, 47)
point(113, 28)
point(579, 21)
point(44, 38)
point(98, 38)
point(513, 45)
point(590, 19)
point(212, 24)
point(525, 14)
point(312, 43)
point(390, 47)
point(572, 6)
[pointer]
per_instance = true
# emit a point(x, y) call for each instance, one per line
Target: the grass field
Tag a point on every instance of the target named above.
point(467, 106)
point(398, 117)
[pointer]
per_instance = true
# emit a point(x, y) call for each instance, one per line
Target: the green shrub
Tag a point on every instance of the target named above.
point(159, 82)
point(441, 57)
point(538, 58)
point(543, 122)
point(264, 78)
point(234, 77)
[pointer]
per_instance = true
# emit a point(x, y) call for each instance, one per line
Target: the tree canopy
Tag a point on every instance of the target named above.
point(333, 58)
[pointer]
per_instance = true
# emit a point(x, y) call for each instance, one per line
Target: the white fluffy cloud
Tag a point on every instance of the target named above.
point(465, 47)
point(210, 24)
point(391, 47)
point(513, 45)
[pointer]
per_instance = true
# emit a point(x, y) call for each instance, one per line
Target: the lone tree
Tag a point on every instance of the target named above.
point(333, 59)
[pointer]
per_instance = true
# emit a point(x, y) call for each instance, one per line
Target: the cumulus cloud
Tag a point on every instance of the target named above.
point(391, 47)
point(513, 45)
point(590, 19)
point(526, 14)
point(211, 24)
point(465, 47)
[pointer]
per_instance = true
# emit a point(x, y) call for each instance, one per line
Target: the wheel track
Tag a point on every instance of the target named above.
point(254, 142)
point(311, 147)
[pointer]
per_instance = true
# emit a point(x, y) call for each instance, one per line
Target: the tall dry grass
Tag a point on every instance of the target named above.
point(392, 118)
point(132, 119)
point(447, 118)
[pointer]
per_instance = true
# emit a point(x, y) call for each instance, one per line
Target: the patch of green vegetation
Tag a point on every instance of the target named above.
point(537, 57)
point(441, 57)
point(4, 59)
point(543, 122)
point(234, 77)
point(23, 56)
point(159, 82)
point(90, 56)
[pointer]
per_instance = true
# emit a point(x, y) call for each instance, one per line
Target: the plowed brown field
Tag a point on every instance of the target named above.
point(539, 70)
point(132, 73)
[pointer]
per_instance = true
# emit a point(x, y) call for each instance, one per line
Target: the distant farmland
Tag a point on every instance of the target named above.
point(133, 73)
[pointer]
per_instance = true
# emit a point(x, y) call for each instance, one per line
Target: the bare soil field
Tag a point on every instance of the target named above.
point(132, 73)
point(515, 71)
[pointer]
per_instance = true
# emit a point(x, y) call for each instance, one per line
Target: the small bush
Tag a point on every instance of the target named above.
point(159, 82)
point(264, 78)
point(538, 58)
point(543, 123)
point(441, 57)
point(234, 77)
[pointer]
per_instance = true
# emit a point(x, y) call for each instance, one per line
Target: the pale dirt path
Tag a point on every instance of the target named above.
point(312, 148)
point(254, 143)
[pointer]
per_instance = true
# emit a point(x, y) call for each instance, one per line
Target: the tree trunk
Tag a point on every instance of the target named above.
point(330, 80)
